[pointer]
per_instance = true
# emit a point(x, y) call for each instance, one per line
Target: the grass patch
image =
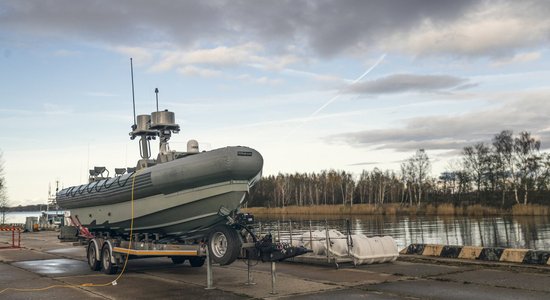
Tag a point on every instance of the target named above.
point(530, 210)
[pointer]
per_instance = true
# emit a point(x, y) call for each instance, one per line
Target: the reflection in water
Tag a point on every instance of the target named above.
point(531, 232)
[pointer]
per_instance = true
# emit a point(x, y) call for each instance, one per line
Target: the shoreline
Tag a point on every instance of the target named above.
point(476, 210)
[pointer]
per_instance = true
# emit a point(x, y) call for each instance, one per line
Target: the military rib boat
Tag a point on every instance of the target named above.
point(176, 194)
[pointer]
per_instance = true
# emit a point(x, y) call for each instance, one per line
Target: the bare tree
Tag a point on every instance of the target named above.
point(526, 150)
point(476, 159)
point(408, 174)
point(503, 144)
point(4, 202)
point(422, 166)
point(415, 171)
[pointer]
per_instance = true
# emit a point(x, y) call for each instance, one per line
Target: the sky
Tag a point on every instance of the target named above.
point(312, 85)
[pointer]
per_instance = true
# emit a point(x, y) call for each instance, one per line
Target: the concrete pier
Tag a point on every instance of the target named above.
point(58, 270)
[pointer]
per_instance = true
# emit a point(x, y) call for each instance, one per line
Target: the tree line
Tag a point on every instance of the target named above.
point(508, 170)
point(4, 203)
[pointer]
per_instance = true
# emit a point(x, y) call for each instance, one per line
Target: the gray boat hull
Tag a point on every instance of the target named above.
point(181, 214)
point(176, 198)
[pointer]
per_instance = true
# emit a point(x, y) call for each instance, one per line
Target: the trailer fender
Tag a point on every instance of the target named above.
point(97, 249)
point(110, 245)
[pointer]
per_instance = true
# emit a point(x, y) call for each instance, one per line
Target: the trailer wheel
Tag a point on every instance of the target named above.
point(224, 245)
point(106, 264)
point(93, 262)
point(178, 260)
point(197, 261)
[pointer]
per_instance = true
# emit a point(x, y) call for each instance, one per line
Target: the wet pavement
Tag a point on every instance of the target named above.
point(54, 269)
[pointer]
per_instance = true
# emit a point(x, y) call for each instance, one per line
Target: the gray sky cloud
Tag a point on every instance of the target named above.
point(324, 28)
point(453, 132)
point(399, 83)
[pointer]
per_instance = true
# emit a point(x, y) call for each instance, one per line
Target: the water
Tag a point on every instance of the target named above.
point(509, 232)
point(19, 217)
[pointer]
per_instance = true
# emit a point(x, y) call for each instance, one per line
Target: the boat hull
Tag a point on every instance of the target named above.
point(178, 214)
point(179, 197)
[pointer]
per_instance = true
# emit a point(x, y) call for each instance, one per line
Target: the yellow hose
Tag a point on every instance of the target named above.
point(76, 286)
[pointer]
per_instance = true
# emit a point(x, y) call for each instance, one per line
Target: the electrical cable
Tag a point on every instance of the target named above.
point(77, 286)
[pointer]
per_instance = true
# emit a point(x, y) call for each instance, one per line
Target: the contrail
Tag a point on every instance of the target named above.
point(351, 84)
point(337, 95)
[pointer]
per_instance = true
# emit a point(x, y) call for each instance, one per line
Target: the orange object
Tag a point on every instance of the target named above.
point(13, 229)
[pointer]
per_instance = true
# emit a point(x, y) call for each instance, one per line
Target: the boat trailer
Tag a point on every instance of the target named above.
point(108, 251)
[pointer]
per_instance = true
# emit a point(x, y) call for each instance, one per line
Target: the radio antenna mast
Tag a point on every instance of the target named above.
point(157, 95)
point(133, 97)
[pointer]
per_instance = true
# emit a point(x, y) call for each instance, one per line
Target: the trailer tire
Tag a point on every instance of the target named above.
point(197, 261)
point(91, 254)
point(178, 260)
point(108, 267)
point(224, 245)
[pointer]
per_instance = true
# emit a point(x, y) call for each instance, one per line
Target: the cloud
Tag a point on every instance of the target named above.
point(517, 58)
point(224, 55)
point(400, 83)
point(139, 54)
point(218, 56)
point(495, 29)
point(491, 28)
point(199, 72)
point(259, 80)
point(452, 132)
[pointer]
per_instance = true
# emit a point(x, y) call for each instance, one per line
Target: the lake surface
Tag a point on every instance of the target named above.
point(20, 216)
point(510, 232)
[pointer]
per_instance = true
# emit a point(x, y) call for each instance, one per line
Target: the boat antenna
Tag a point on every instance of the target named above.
point(133, 97)
point(157, 95)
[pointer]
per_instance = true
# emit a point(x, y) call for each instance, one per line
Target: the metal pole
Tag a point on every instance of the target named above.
point(310, 236)
point(260, 229)
point(250, 280)
point(133, 97)
point(273, 277)
point(278, 231)
point(209, 280)
point(290, 230)
point(348, 236)
point(327, 241)
point(157, 96)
